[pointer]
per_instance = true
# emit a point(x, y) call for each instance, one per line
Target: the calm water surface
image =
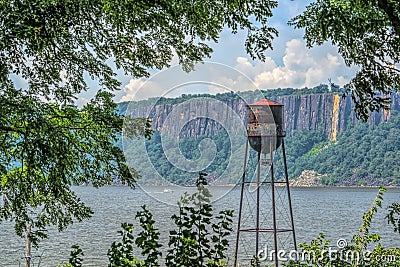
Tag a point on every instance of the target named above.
point(337, 212)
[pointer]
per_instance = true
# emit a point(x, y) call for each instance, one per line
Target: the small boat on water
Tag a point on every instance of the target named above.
point(167, 190)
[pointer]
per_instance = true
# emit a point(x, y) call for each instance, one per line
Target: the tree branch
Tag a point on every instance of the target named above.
point(11, 129)
point(389, 9)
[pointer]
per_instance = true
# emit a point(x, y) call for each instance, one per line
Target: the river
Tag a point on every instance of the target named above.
point(337, 212)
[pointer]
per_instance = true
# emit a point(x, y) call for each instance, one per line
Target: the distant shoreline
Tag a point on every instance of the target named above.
point(279, 185)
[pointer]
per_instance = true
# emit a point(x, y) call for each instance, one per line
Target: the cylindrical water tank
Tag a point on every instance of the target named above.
point(265, 125)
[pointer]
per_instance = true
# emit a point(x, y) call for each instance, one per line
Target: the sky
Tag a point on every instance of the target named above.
point(289, 64)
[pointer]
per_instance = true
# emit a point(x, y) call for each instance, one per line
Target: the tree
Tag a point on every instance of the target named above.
point(52, 44)
point(367, 34)
point(47, 143)
point(393, 216)
point(45, 149)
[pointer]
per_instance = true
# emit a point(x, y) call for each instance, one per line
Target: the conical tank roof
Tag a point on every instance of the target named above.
point(266, 102)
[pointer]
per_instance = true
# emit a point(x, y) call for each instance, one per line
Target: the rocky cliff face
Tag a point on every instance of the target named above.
point(327, 112)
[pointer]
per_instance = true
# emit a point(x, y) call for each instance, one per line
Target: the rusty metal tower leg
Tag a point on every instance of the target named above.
point(288, 193)
point(241, 203)
point(274, 208)
point(258, 204)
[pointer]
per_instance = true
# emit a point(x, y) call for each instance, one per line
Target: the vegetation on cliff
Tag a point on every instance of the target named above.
point(230, 96)
point(362, 155)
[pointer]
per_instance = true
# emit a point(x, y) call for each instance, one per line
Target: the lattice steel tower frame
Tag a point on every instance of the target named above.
point(265, 133)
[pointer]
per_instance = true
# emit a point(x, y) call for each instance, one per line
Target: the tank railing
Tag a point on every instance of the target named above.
point(277, 133)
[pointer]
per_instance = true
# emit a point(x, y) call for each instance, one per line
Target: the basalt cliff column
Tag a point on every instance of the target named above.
point(327, 112)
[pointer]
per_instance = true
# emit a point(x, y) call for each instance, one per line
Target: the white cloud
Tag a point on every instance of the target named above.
point(342, 80)
point(81, 101)
point(174, 60)
point(302, 67)
point(207, 77)
point(297, 57)
point(139, 89)
point(243, 65)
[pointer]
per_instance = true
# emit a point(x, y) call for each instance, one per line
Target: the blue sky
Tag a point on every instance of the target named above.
point(289, 64)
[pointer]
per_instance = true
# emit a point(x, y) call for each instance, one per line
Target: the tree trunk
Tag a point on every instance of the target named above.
point(28, 247)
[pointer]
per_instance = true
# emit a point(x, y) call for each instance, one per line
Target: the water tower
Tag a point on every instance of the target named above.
point(265, 134)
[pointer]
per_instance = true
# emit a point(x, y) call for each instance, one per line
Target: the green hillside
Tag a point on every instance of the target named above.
point(362, 155)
